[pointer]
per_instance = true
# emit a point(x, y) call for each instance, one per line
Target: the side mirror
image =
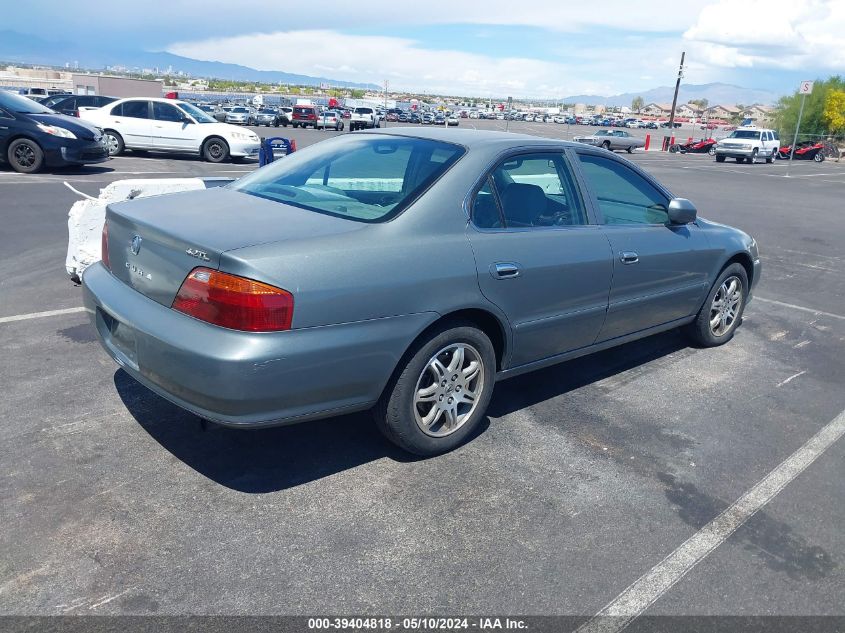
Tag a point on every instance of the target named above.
point(681, 211)
point(186, 119)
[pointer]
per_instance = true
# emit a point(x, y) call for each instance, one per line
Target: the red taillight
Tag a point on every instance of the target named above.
point(234, 302)
point(104, 246)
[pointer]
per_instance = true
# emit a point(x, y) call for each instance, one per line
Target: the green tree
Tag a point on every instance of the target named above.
point(833, 114)
point(637, 104)
point(813, 121)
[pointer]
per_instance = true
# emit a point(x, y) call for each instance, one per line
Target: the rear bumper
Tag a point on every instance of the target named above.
point(242, 378)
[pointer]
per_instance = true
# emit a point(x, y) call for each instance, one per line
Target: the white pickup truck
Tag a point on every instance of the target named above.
point(363, 118)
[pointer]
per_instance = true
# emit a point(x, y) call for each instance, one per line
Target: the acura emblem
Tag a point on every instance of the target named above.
point(136, 244)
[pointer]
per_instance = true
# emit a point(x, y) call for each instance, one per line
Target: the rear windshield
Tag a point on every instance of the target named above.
point(368, 178)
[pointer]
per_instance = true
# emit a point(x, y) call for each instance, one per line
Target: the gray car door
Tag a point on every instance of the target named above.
point(540, 256)
point(660, 271)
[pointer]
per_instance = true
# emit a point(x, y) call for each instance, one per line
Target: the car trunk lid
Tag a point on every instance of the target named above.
point(155, 242)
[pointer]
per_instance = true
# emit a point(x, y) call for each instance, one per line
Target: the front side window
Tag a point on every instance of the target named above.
point(199, 115)
point(368, 179)
point(136, 109)
point(166, 112)
point(530, 190)
point(623, 195)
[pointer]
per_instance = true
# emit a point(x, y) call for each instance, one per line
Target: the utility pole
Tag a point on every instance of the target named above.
point(675, 98)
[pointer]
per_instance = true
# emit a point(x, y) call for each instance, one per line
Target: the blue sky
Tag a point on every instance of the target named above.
point(495, 48)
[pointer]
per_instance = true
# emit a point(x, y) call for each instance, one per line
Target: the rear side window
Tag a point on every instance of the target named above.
point(135, 109)
point(623, 195)
point(368, 179)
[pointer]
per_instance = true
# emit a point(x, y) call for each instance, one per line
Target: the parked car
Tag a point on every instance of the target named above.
point(439, 119)
point(284, 116)
point(665, 124)
point(414, 117)
point(748, 144)
point(330, 119)
point(363, 118)
point(212, 110)
point(32, 136)
point(702, 146)
point(427, 118)
point(651, 125)
point(272, 315)
point(452, 120)
point(71, 104)
point(612, 140)
point(265, 116)
point(170, 125)
point(240, 116)
point(304, 115)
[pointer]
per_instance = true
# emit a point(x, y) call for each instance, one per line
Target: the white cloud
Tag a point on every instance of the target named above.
point(408, 65)
point(788, 34)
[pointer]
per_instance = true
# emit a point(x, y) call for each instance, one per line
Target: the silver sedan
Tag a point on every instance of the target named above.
point(307, 288)
point(612, 140)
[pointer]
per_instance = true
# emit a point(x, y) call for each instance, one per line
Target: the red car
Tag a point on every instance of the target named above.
point(304, 115)
point(703, 146)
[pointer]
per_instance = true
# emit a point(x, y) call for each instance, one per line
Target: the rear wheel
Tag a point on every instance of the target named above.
point(25, 156)
point(215, 150)
point(606, 145)
point(114, 142)
point(740, 159)
point(720, 159)
point(630, 149)
point(819, 157)
point(721, 313)
point(439, 395)
point(712, 151)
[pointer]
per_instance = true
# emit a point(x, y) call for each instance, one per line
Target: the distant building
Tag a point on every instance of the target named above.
point(722, 112)
point(688, 110)
point(657, 109)
point(116, 86)
point(759, 114)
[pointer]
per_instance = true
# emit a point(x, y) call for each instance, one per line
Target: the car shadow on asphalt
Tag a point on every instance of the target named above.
point(535, 387)
point(272, 459)
point(68, 170)
point(258, 460)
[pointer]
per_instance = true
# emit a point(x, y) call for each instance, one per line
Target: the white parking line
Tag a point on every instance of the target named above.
point(801, 308)
point(40, 315)
point(644, 591)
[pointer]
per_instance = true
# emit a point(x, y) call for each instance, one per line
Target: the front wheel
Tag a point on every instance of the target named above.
point(114, 143)
point(819, 157)
point(440, 391)
point(753, 158)
point(721, 313)
point(215, 150)
point(712, 151)
point(630, 149)
point(720, 159)
point(606, 145)
point(25, 156)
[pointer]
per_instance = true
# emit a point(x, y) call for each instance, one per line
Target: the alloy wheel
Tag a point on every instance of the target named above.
point(725, 306)
point(24, 155)
point(112, 144)
point(448, 390)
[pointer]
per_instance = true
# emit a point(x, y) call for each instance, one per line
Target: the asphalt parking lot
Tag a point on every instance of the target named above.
point(584, 477)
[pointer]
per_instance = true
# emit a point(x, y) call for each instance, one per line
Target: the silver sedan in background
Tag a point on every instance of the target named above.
point(612, 140)
point(404, 271)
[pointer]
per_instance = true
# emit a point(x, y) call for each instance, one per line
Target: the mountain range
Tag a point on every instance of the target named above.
point(28, 49)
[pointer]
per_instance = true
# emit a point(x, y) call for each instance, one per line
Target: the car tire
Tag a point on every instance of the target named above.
point(720, 159)
point(740, 159)
point(712, 151)
point(114, 142)
point(753, 158)
point(295, 125)
point(819, 157)
point(25, 156)
point(215, 150)
point(701, 330)
point(630, 149)
point(401, 416)
point(606, 145)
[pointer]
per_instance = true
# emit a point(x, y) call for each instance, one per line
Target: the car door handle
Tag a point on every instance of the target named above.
point(505, 270)
point(629, 257)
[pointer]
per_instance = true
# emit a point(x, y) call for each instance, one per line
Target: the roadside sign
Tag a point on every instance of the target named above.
point(806, 88)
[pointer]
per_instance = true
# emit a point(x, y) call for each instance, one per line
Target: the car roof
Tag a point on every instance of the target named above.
point(473, 139)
